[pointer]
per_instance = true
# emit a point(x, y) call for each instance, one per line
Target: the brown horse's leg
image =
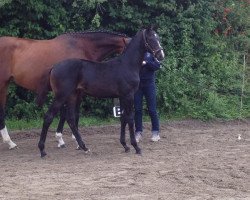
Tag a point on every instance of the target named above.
point(3, 129)
point(48, 118)
point(71, 119)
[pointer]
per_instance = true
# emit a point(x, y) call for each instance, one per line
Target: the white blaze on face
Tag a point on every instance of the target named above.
point(161, 52)
point(6, 138)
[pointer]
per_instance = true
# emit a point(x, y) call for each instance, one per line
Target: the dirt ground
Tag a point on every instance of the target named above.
point(193, 161)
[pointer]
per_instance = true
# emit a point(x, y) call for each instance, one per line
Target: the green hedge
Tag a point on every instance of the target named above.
point(204, 42)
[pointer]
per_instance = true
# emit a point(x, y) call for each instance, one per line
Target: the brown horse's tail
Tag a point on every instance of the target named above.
point(43, 89)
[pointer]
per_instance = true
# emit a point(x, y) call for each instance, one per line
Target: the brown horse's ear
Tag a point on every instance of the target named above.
point(127, 40)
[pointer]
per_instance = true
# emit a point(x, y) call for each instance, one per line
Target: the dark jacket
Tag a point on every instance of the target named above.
point(147, 73)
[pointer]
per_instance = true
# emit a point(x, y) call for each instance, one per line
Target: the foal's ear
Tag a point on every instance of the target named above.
point(152, 27)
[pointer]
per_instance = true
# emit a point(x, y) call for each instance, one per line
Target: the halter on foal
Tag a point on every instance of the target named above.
point(118, 77)
point(26, 61)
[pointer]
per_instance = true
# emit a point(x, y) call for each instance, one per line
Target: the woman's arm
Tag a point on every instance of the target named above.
point(151, 63)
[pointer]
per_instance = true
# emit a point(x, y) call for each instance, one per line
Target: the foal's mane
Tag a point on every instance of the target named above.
point(91, 33)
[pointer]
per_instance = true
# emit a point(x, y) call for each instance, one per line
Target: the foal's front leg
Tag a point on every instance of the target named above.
point(122, 136)
point(127, 105)
point(130, 118)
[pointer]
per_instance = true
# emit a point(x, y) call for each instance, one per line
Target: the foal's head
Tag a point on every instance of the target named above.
point(152, 43)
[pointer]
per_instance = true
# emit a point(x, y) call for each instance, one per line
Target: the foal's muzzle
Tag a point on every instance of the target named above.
point(159, 54)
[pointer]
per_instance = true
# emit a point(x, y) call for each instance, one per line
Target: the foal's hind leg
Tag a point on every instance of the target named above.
point(71, 119)
point(48, 118)
point(61, 143)
point(3, 129)
point(79, 94)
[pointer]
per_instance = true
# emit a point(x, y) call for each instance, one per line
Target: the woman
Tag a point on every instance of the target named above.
point(147, 89)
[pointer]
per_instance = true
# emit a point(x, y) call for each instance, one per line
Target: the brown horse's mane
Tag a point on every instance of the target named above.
point(84, 33)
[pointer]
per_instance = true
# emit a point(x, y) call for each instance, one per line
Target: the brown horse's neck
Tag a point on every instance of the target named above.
point(101, 45)
point(108, 46)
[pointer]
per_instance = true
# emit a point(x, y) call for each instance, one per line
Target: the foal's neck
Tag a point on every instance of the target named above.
point(135, 51)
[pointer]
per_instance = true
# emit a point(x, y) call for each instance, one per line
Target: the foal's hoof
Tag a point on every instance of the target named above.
point(138, 151)
point(13, 147)
point(43, 154)
point(62, 146)
point(78, 148)
point(86, 150)
point(127, 149)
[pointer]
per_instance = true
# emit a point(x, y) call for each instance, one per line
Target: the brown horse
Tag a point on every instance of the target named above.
point(25, 61)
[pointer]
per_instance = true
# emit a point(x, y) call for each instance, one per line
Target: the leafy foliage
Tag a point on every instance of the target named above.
point(204, 42)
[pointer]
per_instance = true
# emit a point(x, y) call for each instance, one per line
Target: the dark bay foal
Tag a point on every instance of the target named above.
point(116, 78)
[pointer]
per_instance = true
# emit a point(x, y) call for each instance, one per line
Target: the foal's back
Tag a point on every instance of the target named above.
point(98, 79)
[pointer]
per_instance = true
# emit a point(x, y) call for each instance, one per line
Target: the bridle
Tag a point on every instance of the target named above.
point(148, 47)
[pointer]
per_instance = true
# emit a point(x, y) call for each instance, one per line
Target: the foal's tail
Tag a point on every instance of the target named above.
point(43, 89)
